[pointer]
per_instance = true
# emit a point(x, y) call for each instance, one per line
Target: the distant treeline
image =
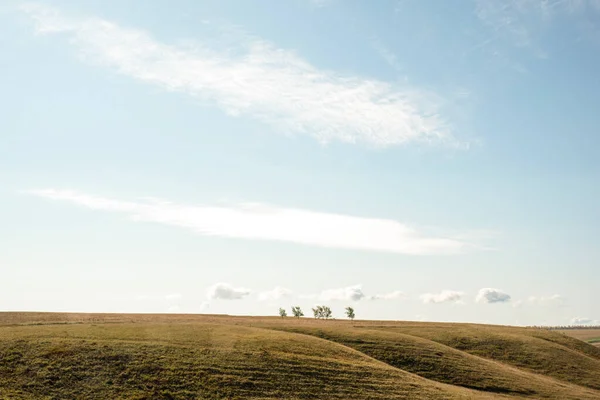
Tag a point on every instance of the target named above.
point(566, 327)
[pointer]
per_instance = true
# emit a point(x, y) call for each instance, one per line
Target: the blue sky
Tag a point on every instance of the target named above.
point(417, 160)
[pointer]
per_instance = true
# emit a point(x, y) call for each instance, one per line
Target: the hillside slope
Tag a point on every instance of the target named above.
point(98, 356)
point(195, 361)
point(445, 364)
point(536, 350)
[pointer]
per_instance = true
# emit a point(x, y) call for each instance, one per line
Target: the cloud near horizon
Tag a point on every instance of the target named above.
point(266, 222)
point(225, 291)
point(277, 293)
point(395, 295)
point(491, 296)
point(584, 321)
point(353, 293)
point(445, 296)
point(266, 83)
point(350, 293)
point(553, 300)
point(173, 297)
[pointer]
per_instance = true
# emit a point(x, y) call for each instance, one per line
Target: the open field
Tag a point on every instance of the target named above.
point(142, 356)
point(591, 336)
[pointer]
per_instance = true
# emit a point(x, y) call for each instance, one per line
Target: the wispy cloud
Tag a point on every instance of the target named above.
point(445, 296)
point(388, 55)
point(517, 304)
point(174, 300)
point(353, 293)
point(173, 297)
point(266, 222)
point(277, 293)
point(171, 301)
point(491, 296)
point(350, 293)
point(554, 300)
point(225, 291)
point(395, 295)
point(584, 321)
point(523, 23)
point(266, 83)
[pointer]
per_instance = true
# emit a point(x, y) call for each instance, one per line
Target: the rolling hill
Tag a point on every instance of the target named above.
point(142, 356)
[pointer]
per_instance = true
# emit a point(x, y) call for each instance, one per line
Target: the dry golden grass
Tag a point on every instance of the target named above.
point(591, 336)
point(535, 350)
point(101, 356)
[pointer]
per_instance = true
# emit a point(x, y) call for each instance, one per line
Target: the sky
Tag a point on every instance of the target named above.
point(416, 160)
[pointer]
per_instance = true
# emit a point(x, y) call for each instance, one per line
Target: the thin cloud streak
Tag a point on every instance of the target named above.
point(266, 222)
point(270, 84)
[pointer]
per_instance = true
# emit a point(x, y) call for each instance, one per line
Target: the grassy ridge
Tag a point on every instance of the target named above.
point(540, 351)
point(441, 363)
point(195, 361)
point(95, 356)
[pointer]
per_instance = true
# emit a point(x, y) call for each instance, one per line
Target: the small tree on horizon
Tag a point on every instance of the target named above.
point(350, 313)
point(297, 312)
point(322, 312)
point(282, 313)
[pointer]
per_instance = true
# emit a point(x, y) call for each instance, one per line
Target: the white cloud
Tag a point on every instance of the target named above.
point(490, 295)
point(517, 304)
point(270, 84)
point(445, 296)
point(224, 291)
point(265, 222)
point(173, 297)
point(547, 300)
point(275, 294)
point(395, 295)
point(350, 293)
point(584, 321)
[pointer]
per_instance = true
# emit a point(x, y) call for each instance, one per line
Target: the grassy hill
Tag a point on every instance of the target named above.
point(100, 356)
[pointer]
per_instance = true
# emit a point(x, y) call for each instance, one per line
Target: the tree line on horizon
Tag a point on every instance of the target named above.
point(566, 327)
point(319, 312)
